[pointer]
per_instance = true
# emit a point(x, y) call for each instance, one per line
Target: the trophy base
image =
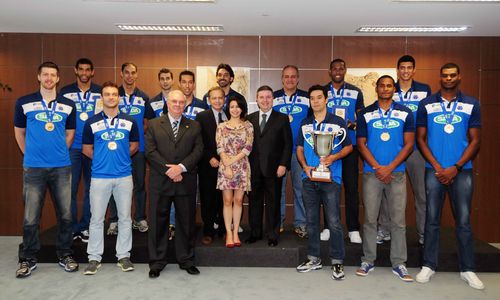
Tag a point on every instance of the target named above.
point(320, 176)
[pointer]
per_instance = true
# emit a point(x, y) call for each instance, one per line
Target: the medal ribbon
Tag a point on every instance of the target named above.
point(386, 120)
point(321, 126)
point(289, 108)
point(83, 104)
point(111, 132)
point(50, 113)
point(449, 116)
point(402, 99)
point(128, 106)
point(337, 101)
point(188, 111)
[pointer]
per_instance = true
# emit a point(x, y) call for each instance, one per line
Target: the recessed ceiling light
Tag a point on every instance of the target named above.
point(397, 29)
point(170, 28)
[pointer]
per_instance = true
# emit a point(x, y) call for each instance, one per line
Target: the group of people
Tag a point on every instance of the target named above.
point(107, 134)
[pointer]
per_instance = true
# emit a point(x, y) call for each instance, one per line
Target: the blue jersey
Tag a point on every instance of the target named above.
point(136, 109)
point(154, 109)
point(344, 103)
point(295, 107)
point(377, 127)
point(331, 123)
point(191, 110)
point(108, 163)
point(463, 113)
point(45, 149)
point(88, 102)
point(412, 97)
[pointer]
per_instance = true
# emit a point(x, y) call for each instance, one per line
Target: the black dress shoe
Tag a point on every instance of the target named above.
point(192, 270)
point(154, 273)
point(252, 239)
point(272, 242)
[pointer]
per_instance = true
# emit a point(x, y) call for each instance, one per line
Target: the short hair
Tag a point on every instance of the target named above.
point(48, 64)
point(227, 68)
point(406, 58)
point(186, 72)
point(337, 60)
point(108, 84)
point(385, 76)
point(318, 87)
point(242, 104)
point(216, 88)
point(264, 88)
point(165, 71)
point(84, 61)
point(125, 64)
point(450, 65)
point(290, 67)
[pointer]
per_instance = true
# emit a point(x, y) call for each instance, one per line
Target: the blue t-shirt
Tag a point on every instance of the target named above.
point(45, 149)
point(305, 139)
point(154, 109)
point(297, 106)
point(412, 97)
point(88, 102)
point(191, 110)
point(344, 103)
point(398, 119)
point(108, 163)
point(447, 148)
point(137, 109)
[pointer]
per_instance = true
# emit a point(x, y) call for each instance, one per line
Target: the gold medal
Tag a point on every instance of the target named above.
point(290, 118)
point(449, 128)
point(112, 145)
point(84, 116)
point(385, 136)
point(49, 126)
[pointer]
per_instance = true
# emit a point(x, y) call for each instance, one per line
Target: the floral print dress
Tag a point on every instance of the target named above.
point(233, 141)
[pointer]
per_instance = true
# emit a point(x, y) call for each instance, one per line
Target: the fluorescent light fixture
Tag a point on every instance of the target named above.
point(154, 1)
point(448, 1)
point(410, 29)
point(171, 28)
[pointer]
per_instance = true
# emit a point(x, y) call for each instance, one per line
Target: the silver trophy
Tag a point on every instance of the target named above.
point(323, 146)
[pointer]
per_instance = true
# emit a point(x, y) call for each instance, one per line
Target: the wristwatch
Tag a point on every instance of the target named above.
point(459, 168)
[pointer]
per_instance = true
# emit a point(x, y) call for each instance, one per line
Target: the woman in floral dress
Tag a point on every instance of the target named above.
point(234, 143)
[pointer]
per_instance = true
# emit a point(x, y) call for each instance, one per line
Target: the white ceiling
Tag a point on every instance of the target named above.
point(245, 17)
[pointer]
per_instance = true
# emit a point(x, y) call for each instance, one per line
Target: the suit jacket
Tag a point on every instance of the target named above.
point(272, 147)
point(162, 148)
point(208, 126)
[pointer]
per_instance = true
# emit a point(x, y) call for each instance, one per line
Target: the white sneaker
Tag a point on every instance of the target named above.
point(325, 235)
point(472, 279)
point(355, 237)
point(424, 275)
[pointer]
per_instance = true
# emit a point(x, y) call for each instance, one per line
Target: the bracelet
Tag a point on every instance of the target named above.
point(459, 168)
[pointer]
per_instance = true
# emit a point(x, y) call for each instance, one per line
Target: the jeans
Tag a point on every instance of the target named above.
point(35, 183)
point(395, 192)
point(80, 164)
point(100, 191)
point(315, 193)
point(138, 175)
point(460, 192)
point(298, 206)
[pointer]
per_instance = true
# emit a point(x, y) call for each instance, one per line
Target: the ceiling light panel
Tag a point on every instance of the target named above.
point(411, 29)
point(170, 28)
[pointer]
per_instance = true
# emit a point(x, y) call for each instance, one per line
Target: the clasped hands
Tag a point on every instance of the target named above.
point(446, 176)
point(174, 172)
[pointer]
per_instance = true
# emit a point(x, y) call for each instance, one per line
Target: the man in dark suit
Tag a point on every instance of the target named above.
point(173, 148)
point(269, 160)
point(210, 196)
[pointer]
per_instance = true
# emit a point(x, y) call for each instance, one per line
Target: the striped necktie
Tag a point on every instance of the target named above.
point(175, 128)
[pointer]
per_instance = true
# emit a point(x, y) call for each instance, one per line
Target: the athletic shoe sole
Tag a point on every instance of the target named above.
point(363, 273)
point(309, 269)
point(89, 272)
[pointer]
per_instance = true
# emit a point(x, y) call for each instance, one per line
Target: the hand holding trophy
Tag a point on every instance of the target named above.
point(323, 141)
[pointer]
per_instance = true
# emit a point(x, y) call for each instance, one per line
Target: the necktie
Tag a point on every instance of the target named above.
point(175, 128)
point(220, 118)
point(263, 122)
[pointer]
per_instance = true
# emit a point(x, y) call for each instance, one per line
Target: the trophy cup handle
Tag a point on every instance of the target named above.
point(341, 140)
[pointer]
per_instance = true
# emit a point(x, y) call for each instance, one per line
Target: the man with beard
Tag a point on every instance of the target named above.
point(448, 135)
point(87, 98)
point(44, 127)
point(225, 77)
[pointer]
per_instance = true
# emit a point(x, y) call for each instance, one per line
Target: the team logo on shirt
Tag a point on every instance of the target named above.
point(42, 116)
point(441, 119)
point(412, 106)
point(118, 136)
point(133, 111)
point(392, 124)
point(331, 103)
point(295, 110)
point(90, 107)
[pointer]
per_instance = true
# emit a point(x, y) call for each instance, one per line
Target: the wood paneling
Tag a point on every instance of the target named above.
point(490, 81)
point(490, 47)
point(20, 49)
point(309, 52)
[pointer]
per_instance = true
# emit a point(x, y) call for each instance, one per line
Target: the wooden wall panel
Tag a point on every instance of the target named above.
point(65, 49)
point(368, 52)
point(490, 81)
point(241, 51)
point(306, 80)
point(20, 49)
point(490, 48)
point(309, 52)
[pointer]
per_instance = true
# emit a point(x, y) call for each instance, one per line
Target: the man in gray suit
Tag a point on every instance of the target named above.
point(173, 148)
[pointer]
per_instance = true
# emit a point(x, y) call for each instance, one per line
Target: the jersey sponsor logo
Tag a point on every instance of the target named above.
point(441, 119)
point(42, 116)
point(90, 107)
point(412, 107)
point(118, 136)
point(331, 103)
point(295, 110)
point(133, 111)
point(392, 124)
